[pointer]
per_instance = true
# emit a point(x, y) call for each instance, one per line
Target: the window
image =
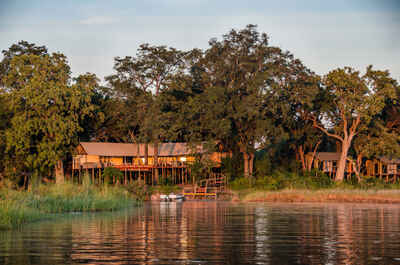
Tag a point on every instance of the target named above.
point(128, 160)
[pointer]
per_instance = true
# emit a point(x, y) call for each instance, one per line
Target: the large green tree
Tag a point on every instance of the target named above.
point(243, 79)
point(353, 102)
point(298, 91)
point(143, 77)
point(46, 108)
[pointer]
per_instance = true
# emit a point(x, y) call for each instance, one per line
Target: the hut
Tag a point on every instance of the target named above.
point(328, 162)
point(387, 167)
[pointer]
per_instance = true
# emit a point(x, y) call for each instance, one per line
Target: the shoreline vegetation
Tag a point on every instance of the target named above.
point(319, 196)
point(19, 207)
point(313, 187)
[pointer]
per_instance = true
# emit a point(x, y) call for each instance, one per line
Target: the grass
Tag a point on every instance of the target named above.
point(327, 195)
point(314, 187)
point(20, 207)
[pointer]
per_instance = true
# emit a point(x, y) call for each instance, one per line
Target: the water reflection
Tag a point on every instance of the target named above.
point(213, 233)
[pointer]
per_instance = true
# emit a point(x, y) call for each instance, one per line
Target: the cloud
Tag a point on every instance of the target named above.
point(98, 20)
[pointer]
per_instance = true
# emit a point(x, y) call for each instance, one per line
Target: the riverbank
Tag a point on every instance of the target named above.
point(324, 195)
point(20, 207)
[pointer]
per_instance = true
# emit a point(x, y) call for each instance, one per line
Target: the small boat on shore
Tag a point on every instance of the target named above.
point(172, 197)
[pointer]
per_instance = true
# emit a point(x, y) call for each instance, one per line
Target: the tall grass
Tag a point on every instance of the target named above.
point(19, 207)
point(13, 214)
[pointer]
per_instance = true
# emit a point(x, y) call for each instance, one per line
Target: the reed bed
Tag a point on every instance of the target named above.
point(20, 207)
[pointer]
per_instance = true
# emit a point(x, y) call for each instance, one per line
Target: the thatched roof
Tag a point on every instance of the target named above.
point(127, 149)
point(327, 156)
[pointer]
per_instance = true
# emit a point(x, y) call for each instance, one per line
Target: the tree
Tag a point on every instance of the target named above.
point(5, 117)
point(46, 110)
point(22, 47)
point(353, 102)
point(299, 93)
point(149, 71)
point(242, 76)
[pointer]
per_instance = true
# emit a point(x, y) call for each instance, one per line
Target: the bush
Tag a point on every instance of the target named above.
point(111, 175)
point(240, 183)
point(281, 180)
point(231, 167)
point(139, 190)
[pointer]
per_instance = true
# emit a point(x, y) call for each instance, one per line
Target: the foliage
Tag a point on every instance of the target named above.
point(165, 189)
point(112, 175)
point(19, 207)
point(231, 167)
point(139, 190)
point(241, 92)
point(284, 180)
point(352, 103)
point(46, 110)
point(200, 168)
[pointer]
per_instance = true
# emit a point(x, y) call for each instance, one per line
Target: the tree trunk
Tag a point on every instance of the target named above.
point(300, 151)
point(246, 164)
point(251, 164)
point(343, 158)
point(309, 163)
point(357, 167)
point(35, 181)
point(59, 170)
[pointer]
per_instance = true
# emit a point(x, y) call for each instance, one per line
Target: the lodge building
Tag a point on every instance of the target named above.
point(173, 160)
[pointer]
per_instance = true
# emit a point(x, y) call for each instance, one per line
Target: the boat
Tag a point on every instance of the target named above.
point(172, 197)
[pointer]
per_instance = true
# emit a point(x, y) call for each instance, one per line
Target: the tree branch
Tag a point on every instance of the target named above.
point(326, 131)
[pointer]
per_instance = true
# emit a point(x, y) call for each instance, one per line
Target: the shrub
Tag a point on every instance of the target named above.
point(139, 190)
point(111, 175)
point(240, 183)
point(281, 180)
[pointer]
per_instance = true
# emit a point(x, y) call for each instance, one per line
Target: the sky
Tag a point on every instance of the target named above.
point(324, 34)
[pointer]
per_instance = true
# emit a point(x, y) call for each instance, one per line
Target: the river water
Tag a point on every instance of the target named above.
point(213, 233)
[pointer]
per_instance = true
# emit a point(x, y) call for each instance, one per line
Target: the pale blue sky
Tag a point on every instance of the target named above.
point(324, 34)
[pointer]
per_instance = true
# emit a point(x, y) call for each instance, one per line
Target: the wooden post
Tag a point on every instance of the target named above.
point(186, 176)
point(162, 172)
point(59, 170)
point(152, 175)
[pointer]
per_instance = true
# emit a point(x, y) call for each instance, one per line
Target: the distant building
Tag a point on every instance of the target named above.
point(383, 167)
point(328, 162)
point(99, 155)
point(173, 161)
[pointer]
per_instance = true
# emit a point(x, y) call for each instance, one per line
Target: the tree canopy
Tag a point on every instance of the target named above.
point(241, 94)
point(46, 110)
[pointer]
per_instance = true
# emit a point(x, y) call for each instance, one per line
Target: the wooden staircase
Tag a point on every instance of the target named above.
point(207, 188)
